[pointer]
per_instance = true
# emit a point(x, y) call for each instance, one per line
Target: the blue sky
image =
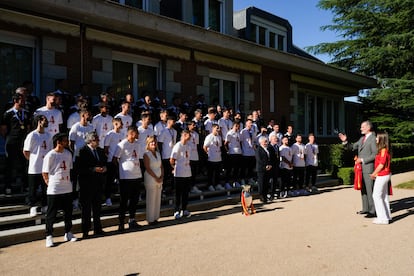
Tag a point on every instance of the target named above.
point(305, 18)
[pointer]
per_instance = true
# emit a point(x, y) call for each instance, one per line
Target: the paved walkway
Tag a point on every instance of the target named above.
point(312, 235)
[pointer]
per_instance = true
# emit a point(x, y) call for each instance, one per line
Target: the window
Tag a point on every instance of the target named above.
point(139, 4)
point(272, 40)
point(135, 74)
point(223, 89)
point(171, 8)
point(322, 114)
point(280, 42)
point(253, 28)
point(17, 62)
point(209, 14)
point(262, 36)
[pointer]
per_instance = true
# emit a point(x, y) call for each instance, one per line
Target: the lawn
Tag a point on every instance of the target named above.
point(406, 185)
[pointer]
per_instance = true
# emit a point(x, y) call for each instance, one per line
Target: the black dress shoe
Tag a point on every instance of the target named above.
point(362, 212)
point(370, 215)
point(99, 233)
point(85, 236)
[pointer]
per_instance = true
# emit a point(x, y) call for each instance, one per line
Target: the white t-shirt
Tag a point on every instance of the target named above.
point(168, 139)
point(311, 154)
point(73, 119)
point(225, 126)
point(102, 126)
point(233, 139)
point(208, 124)
point(112, 139)
point(248, 140)
point(159, 127)
point(54, 117)
point(298, 155)
point(144, 133)
point(193, 142)
point(77, 134)
point(126, 122)
point(58, 166)
point(286, 152)
point(128, 158)
point(38, 144)
point(213, 144)
point(181, 154)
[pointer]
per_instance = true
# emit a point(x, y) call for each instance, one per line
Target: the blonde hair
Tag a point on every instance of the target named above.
point(149, 140)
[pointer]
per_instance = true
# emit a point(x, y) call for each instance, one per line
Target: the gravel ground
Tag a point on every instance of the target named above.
point(311, 235)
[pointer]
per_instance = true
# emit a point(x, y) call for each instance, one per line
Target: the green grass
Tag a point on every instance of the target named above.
point(406, 185)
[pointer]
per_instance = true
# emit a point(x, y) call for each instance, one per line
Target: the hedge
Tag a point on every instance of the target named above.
point(398, 165)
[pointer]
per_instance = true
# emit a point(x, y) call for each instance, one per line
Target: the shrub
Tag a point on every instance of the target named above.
point(346, 175)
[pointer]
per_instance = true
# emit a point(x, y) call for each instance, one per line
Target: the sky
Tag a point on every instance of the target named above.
point(304, 16)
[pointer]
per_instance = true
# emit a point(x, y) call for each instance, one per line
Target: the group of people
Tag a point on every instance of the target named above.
point(373, 154)
point(162, 156)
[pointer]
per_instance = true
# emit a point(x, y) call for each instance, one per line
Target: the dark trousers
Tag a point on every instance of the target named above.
point(286, 177)
point(311, 175)
point(110, 178)
point(129, 191)
point(213, 172)
point(249, 162)
point(16, 164)
point(182, 187)
point(194, 171)
point(263, 181)
point(55, 203)
point(167, 181)
point(298, 177)
point(74, 178)
point(275, 179)
point(90, 198)
point(233, 167)
point(36, 181)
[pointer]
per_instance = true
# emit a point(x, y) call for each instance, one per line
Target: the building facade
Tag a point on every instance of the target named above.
point(180, 47)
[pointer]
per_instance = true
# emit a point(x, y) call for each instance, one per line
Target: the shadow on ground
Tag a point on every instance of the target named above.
point(406, 204)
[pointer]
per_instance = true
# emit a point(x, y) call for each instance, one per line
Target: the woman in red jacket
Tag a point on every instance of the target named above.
point(382, 176)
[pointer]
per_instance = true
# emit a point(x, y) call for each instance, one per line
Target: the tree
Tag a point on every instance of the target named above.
point(378, 41)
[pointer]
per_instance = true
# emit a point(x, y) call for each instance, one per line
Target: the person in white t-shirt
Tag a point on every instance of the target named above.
point(234, 154)
point(56, 174)
point(144, 131)
point(162, 123)
point(194, 158)
point(248, 143)
point(225, 123)
point(166, 142)
point(180, 161)
point(298, 160)
point(36, 145)
point(102, 123)
point(125, 117)
point(126, 158)
point(286, 167)
point(77, 136)
point(311, 160)
point(53, 115)
point(211, 119)
point(212, 146)
point(112, 139)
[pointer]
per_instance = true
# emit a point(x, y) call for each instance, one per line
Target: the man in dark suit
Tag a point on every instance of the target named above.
point(275, 161)
point(263, 168)
point(92, 177)
point(367, 150)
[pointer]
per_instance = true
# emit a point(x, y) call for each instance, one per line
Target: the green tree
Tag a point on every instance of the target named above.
point(377, 39)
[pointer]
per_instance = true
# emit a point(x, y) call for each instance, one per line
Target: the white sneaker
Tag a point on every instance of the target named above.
point(33, 211)
point(44, 209)
point(75, 204)
point(108, 202)
point(228, 186)
point(196, 190)
point(69, 237)
point(186, 214)
point(211, 188)
point(219, 187)
point(49, 241)
point(177, 215)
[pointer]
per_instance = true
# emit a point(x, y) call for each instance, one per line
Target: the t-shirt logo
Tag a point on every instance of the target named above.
point(105, 127)
point(44, 145)
point(134, 154)
point(63, 166)
point(52, 120)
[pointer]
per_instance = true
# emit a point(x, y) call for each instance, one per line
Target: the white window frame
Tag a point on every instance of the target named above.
point(207, 15)
point(26, 41)
point(270, 27)
point(136, 60)
point(222, 76)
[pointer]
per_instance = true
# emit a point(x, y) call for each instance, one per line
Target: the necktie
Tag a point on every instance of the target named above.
point(363, 139)
point(95, 153)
